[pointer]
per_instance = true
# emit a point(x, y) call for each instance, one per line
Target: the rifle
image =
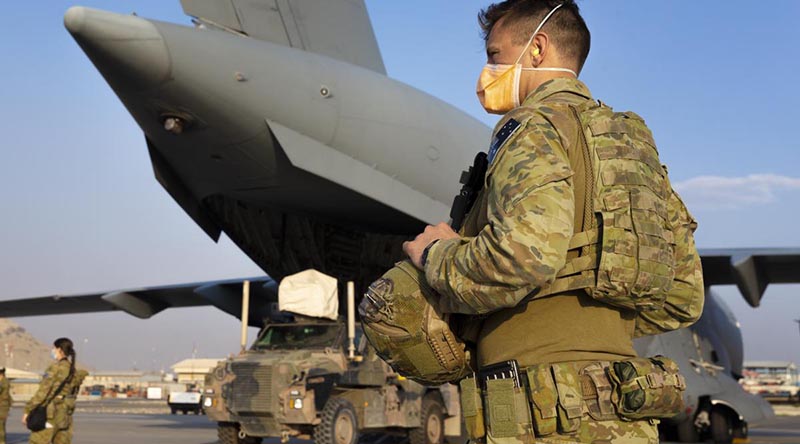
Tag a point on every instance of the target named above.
point(472, 181)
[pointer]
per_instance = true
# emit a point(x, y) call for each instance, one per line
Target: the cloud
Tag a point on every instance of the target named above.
point(714, 192)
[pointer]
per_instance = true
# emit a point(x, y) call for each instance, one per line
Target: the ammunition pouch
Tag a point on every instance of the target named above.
point(647, 388)
point(507, 416)
point(472, 409)
point(401, 321)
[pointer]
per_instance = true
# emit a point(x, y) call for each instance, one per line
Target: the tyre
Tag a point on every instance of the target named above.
point(721, 427)
point(339, 424)
point(741, 431)
point(431, 431)
point(686, 431)
point(173, 411)
point(228, 433)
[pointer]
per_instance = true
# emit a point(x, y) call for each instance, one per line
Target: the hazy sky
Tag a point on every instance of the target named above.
point(81, 211)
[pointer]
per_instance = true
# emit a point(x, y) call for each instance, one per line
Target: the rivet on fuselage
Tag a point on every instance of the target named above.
point(433, 153)
point(325, 91)
point(239, 77)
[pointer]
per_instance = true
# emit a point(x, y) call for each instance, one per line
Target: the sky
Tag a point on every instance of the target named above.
point(82, 212)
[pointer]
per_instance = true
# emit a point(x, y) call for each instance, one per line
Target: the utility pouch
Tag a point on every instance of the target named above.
point(544, 398)
point(596, 388)
point(508, 415)
point(647, 388)
point(69, 404)
point(472, 409)
point(570, 399)
point(61, 419)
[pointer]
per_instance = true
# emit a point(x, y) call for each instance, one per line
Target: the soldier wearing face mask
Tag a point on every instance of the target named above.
point(576, 244)
point(56, 394)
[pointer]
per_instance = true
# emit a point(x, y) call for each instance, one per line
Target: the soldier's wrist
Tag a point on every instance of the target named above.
point(426, 252)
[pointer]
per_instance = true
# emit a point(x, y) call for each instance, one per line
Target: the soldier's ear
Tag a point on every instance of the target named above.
point(538, 49)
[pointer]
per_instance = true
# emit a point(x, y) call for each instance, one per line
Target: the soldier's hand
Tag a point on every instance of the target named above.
point(432, 233)
point(25, 419)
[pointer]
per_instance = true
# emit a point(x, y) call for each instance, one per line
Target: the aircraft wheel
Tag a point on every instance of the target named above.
point(721, 427)
point(339, 424)
point(686, 431)
point(228, 433)
point(432, 429)
point(741, 431)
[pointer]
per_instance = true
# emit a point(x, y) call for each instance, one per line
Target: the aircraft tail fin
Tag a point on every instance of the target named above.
point(335, 28)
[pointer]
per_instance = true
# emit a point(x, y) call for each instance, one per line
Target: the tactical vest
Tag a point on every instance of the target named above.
point(624, 256)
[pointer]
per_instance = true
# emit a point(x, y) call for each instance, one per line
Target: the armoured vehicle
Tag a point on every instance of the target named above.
point(299, 380)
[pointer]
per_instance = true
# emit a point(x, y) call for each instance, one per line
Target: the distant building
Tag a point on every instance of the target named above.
point(193, 371)
point(772, 379)
point(120, 381)
point(23, 384)
point(13, 374)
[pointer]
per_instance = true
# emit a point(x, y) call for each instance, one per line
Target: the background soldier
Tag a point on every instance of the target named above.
point(5, 403)
point(53, 392)
point(567, 182)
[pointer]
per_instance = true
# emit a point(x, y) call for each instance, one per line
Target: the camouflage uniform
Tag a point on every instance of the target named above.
point(57, 417)
point(514, 241)
point(65, 436)
point(5, 406)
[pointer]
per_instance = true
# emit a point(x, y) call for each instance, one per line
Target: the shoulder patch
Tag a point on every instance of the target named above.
point(501, 137)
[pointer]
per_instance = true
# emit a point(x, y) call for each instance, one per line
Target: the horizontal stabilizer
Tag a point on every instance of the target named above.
point(340, 29)
point(751, 270)
point(146, 302)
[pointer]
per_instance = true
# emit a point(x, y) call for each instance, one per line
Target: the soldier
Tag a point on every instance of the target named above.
point(576, 218)
point(53, 393)
point(5, 403)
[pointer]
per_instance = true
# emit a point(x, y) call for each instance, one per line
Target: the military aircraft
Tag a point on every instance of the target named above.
point(274, 122)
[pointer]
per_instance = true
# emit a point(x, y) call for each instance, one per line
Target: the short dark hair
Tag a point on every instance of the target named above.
point(565, 27)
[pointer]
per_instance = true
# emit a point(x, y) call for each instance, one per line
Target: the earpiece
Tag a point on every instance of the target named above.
point(535, 52)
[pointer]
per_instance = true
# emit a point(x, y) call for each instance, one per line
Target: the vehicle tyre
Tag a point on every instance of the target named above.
point(431, 431)
point(686, 431)
point(228, 433)
point(339, 424)
point(173, 411)
point(721, 427)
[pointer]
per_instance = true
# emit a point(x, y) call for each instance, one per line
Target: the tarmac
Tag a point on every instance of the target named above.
point(125, 427)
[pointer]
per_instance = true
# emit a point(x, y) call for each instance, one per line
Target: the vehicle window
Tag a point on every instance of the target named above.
point(290, 337)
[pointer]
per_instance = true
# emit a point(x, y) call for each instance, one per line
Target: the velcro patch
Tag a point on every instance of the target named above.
point(501, 137)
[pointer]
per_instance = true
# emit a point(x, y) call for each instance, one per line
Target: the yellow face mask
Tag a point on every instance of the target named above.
point(498, 85)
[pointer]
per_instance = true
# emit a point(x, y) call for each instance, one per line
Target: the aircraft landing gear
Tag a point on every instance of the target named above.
point(686, 431)
point(722, 428)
